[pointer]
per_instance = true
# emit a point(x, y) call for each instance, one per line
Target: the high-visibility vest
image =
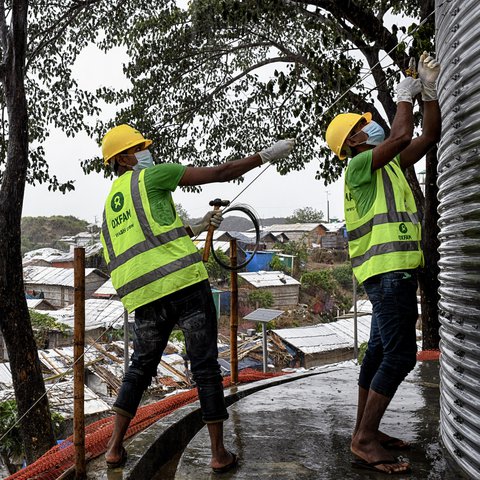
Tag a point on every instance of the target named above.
point(387, 238)
point(146, 260)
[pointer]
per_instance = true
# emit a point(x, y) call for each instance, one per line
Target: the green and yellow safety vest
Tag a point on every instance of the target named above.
point(387, 237)
point(147, 261)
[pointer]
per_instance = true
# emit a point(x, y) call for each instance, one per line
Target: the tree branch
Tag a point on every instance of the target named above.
point(60, 25)
point(364, 20)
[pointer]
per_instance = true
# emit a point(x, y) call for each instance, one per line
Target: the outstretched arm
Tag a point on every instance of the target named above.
point(432, 127)
point(231, 170)
point(400, 136)
point(428, 71)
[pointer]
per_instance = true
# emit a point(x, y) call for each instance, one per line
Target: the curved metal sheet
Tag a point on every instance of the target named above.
point(459, 195)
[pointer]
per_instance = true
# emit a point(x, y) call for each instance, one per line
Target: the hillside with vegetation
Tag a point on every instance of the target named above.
point(41, 232)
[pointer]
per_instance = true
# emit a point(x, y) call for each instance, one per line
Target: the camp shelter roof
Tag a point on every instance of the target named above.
point(99, 313)
point(268, 279)
point(106, 290)
point(55, 276)
point(60, 395)
point(326, 336)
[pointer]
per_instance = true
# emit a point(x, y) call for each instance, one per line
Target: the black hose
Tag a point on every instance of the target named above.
point(250, 214)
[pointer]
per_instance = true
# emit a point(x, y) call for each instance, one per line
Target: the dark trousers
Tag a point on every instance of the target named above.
point(193, 310)
point(392, 346)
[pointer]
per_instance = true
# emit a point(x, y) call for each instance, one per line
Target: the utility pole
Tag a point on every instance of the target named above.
point(328, 207)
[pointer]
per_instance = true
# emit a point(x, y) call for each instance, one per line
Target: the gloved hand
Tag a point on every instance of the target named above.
point(428, 71)
point(213, 218)
point(278, 150)
point(408, 88)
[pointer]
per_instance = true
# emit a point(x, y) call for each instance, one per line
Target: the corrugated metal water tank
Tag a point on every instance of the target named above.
point(458, 29)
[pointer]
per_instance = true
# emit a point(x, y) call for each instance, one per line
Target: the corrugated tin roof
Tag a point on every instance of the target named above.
point(292, 227)
point(223, 246)
point(216, 234)
point(5, 375)
point(55, 276)
point(106, 290)
point(53, 255)
point(99, 313)
point(268, 279)
point(60, 398)
point(35, 302)
point(326, 336)
point(333, 227)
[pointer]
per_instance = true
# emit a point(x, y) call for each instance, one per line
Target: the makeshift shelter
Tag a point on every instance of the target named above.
point(285, 290)
point(57, 284)
point(323, 343)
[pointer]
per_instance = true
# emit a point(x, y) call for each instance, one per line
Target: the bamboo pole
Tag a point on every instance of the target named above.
point(79, 367)
point(233, 312)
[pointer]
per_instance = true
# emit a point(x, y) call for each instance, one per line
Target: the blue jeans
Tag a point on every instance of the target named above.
point(193, 310)
point(392, 346)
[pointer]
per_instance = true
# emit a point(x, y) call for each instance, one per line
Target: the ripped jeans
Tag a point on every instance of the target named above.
point(193, 310)
point(392, 346)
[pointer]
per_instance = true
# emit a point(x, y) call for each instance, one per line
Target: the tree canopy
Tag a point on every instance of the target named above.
point(218, 79)
point(306, 215)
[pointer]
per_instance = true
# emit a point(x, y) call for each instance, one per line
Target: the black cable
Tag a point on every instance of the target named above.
point(250, 214)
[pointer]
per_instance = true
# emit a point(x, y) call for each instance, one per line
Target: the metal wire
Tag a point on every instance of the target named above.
point(254, 218)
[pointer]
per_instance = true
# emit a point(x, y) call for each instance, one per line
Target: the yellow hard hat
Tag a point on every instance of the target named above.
point(340, 128)
point(121, 138)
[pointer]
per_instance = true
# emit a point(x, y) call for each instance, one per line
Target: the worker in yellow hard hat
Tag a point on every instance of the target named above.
point(384, 236)
point(158, 273)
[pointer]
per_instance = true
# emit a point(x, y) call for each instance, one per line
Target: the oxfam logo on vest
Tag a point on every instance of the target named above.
point(403, 230)
point(117, 202)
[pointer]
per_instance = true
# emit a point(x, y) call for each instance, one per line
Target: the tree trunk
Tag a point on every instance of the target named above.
point(32, 403)
point(428, 279)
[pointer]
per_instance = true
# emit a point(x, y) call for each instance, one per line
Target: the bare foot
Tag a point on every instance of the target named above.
point(115, 455)
point(371, 452)
point(222, 460)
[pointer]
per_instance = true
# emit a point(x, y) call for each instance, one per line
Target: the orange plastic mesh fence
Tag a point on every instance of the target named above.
point(424, 355)
point(61, 457)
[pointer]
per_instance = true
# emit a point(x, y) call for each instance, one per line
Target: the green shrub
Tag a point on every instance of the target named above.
point(361, 352)
point(214, 269)
point(42, 324)
point(264, 299)
point(320, 279)
point(277, 265)
point(11, 446)
point(343, 275)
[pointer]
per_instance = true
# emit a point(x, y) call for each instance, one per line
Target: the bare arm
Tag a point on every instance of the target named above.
point(220, 173)
point(399, 139)
point(432, 127)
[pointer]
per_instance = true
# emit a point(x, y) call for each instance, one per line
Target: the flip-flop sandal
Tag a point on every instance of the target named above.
point(359, 463)
point(120, 463)
point(395, 444)
point(229, 466)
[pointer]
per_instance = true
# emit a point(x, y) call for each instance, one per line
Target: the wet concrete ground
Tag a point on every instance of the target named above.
point(301, 430)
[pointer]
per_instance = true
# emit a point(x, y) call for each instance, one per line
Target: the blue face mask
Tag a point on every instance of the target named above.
point(376, 134)
point(144, 160)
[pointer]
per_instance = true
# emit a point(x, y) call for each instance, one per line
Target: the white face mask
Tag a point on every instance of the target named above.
point(144, 160)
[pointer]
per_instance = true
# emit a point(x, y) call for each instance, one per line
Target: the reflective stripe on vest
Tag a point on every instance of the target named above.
point(150, 243)
point(363, 239)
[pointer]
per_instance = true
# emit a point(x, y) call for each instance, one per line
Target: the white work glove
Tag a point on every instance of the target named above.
point(407, 89)
point(278, 150)
point(428, 71)
point(213, 218)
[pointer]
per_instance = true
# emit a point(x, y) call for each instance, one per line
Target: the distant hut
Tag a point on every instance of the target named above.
point(285, 290)
point(56, 284)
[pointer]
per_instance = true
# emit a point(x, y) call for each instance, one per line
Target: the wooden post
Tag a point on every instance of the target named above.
point(233, 312)
point(79, 369)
